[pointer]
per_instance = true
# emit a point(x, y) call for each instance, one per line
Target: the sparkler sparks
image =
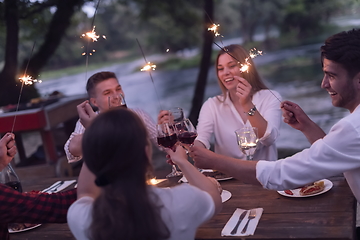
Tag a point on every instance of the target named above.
point(214, 28)
point(149, 66)
point(28, 80)
point(94, 37)
point(254, 53)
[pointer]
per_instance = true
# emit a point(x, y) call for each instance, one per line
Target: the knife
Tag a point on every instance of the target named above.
point(238, 223)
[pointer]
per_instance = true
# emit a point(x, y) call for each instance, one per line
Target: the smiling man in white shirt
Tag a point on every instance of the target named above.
point(330, 154)
point(104, 92)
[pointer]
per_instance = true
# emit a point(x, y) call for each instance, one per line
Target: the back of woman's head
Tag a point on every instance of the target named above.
point(114, 149)
point(241, 56)
point(114, 146)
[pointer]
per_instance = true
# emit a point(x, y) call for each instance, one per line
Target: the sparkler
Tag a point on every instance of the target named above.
point(25, 80)
point(214, 28)
point(91, 35)
point(149, 67)
point(244, 67)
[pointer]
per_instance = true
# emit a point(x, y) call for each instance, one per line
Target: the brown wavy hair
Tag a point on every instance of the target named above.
point(344, 48)
point(240, 54)
point(114, 150)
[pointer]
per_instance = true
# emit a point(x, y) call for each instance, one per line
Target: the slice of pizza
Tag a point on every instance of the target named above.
point(316, 187)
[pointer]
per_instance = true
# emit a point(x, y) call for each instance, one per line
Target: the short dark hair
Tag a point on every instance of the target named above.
point(344, 48)
point(97, 78)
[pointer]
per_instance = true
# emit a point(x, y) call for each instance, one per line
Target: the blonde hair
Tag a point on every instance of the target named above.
point(240, 54)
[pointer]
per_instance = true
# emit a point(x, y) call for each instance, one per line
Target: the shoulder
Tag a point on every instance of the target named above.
point(216, 100)
point(80, 209)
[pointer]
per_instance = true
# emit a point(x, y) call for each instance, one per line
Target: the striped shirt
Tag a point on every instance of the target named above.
point(79, 129)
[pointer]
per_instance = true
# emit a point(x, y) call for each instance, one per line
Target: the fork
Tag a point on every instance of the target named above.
point(54, 188)
point(252, 215)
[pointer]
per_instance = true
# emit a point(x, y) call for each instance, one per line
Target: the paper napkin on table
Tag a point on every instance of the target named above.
point(183, 180)
point(57, 187)
point(226, 231)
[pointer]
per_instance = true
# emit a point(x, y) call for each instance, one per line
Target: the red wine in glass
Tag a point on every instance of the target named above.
point(167, 141)
point(15, 185)
point(187, 137)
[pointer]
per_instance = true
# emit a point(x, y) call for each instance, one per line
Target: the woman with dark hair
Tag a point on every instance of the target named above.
point(245, 101)
point(122, 205)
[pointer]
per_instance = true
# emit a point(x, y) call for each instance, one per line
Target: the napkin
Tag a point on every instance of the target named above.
point(58, 187)
point(183, 180)
point(226, 231)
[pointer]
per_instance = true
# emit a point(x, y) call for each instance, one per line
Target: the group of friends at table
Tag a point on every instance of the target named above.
point(113, 199)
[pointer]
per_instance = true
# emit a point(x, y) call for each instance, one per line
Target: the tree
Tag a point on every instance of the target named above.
point(14, 10)
point(208, 38)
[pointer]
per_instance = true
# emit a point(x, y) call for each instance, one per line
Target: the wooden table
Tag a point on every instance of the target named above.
point(327, 216)
point(49, 231)
point(331, 215)
point(44, 120)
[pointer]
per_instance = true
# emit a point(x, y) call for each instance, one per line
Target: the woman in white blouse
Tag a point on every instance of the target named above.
point(245, 101)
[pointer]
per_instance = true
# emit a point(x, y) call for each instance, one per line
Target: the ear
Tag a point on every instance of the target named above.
point(93, 102)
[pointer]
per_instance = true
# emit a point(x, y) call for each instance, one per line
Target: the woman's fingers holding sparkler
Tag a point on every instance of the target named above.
point(86, 113)
point(163, 116)
point(243, 90)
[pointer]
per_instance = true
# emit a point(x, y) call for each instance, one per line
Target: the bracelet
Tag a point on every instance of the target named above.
point(252, 111)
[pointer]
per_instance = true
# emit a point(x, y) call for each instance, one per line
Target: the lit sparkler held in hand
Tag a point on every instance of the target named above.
point(214, 28)
point(148, 68)
point(28, 80)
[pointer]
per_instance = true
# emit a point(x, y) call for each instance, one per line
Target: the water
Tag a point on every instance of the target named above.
point(175, 89)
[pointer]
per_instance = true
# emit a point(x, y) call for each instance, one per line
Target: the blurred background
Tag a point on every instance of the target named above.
point(44, 39)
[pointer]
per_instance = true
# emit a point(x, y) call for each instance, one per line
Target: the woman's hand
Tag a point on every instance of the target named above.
point(178, 156)
point(244, 91)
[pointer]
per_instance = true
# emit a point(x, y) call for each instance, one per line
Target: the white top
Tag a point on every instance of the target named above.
point(222, 119)
point(185, 208)
point(338, 152)
point(79, 129)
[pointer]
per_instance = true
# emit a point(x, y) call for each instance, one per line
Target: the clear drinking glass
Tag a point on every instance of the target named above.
point(119, 101)
point(167, 138)
point(247, 138)
point(176, 115)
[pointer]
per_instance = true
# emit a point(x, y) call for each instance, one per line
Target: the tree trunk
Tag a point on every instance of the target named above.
point(204, 64)
point(9, 92)
point(57, 29)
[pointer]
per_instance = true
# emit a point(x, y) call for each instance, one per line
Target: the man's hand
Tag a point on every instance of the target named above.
point(294, 115)
point(163, 117)
point(86, 113)
point(7, 149)
point(297, 118)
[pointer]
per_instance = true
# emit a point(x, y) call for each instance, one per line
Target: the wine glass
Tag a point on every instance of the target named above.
point(186, 133)
point(167, 138)
point(119, 101)
point(247, 138)
point(176, 115)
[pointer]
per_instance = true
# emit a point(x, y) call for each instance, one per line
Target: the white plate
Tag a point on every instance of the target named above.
point(225, 195)
point(328, 185)
point(23, 230)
